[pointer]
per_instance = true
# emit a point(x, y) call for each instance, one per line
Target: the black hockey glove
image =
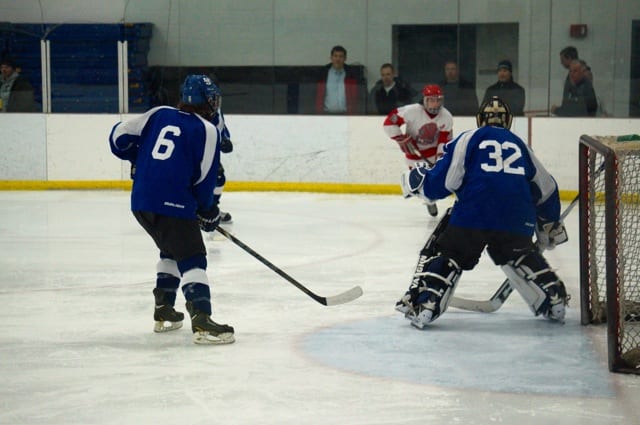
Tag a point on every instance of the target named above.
point(209, 219)
point(226, 146)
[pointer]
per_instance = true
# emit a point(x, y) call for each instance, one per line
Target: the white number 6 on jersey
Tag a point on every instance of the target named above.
point(164, 147)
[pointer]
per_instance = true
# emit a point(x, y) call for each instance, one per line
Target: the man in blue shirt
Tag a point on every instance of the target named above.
point(503, 194)
point(337, 90)
point(176, 153)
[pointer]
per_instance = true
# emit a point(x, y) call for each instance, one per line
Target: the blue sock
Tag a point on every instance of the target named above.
point(199, 295)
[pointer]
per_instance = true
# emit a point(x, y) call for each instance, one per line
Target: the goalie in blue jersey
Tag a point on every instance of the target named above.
point(504, 196)
point(176, 153)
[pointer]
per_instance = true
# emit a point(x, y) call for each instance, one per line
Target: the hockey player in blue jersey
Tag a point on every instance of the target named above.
point(504, 195)
point(176, 152)
point(226, 146)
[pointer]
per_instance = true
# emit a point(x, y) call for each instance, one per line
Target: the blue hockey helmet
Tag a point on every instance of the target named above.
point(199, 90)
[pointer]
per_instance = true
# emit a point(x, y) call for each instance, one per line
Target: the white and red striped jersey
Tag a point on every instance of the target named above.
point(424, 136)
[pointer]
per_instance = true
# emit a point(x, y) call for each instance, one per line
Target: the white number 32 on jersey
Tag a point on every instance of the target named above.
point(502, 156)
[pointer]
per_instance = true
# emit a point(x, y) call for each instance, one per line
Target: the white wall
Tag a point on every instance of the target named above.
point(24, 147)
point(331, 149)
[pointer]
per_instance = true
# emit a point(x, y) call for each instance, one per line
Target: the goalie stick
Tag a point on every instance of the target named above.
point(341, 298)
point(503, 292)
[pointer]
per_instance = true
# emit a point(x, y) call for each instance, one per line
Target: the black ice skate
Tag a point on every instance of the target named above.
point(206, 331)
point(165, 316)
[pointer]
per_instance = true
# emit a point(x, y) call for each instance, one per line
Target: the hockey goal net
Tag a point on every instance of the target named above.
point(609, 179)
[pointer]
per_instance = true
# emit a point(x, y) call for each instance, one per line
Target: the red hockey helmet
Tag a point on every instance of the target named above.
point(433, 98)
point(432, 90)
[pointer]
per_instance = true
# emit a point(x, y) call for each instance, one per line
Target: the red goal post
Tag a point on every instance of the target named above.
point(609, 184)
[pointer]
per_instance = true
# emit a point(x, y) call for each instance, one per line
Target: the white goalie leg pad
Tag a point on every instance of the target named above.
point(541, 289)
point(532, 294)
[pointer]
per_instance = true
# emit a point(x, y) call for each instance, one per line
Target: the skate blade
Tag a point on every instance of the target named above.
point(205, 338)
point(559, 320)
point(417, 324)
point(166, 326)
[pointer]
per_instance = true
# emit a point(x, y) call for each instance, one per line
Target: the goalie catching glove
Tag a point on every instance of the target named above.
point(412, 181)
point(550, 234)
point(209, 219)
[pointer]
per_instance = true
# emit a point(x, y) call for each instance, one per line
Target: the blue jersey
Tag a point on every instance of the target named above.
point(177, 155)
point(221, 125)
point(498, 182)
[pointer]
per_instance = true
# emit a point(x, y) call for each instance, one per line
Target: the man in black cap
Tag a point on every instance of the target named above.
point(506, 89)
point(16, 92)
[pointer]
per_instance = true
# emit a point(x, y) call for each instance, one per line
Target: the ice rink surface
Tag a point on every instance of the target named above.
point(77, 345)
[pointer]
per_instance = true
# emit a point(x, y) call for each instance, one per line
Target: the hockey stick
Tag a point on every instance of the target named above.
point(503, 292)
point(341, 298)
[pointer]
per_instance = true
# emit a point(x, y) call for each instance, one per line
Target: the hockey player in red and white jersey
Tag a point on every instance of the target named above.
point(427, 128)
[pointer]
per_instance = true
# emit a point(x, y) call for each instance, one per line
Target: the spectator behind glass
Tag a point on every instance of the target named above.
point(459, 94)
point(16, 92)
point(506, 89)
point(568, 54)
point(337, 91)
point(390, 91)
point(579, 100)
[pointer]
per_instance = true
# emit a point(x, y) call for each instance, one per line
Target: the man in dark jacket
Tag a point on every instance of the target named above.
point(506, 89)
point(390, 91)
point(579, 98)
point(16, 92)
point(459, 94)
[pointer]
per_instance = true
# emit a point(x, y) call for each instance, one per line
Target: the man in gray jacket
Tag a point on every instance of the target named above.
point(579, 97)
